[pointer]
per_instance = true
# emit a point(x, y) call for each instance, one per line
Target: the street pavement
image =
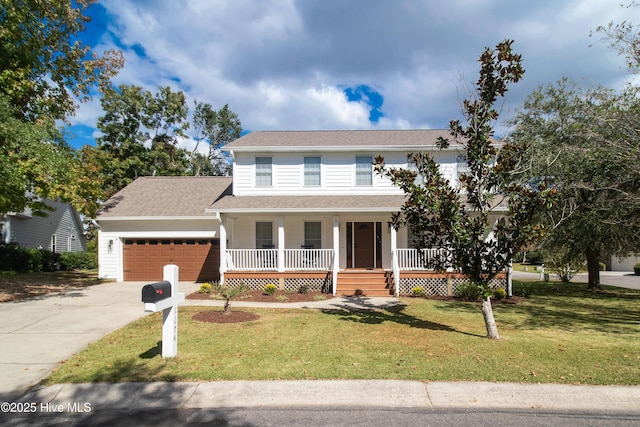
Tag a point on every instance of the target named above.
point(36, 335)
point(622, 279)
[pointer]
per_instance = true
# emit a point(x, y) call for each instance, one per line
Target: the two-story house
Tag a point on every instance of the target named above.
point(303, 208)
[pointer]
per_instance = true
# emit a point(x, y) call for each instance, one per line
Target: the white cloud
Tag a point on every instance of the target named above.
point(282, 64)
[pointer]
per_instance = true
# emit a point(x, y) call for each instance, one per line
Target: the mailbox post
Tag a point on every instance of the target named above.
point(165, 296)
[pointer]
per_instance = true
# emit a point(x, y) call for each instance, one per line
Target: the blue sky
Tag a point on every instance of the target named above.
point(349, 64)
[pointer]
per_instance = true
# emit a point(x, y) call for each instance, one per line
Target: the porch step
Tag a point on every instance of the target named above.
point(372, 283)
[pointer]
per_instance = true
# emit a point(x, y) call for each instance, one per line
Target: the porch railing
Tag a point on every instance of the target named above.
point(267, 259)
point(308, 259)
point(415, 259)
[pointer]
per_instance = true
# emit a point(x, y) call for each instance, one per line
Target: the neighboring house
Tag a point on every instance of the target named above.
point(306, 209)
point(61, 230)
point(624, 263)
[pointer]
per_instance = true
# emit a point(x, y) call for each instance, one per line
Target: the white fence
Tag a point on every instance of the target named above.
point(414, 259)
point(267, 259)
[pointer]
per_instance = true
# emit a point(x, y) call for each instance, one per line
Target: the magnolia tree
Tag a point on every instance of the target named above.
point(457, 220)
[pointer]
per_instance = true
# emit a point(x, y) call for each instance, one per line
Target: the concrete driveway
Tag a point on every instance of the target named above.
point(38, 333)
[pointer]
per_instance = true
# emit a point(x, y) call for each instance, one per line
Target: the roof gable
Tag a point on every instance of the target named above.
point(166, 196)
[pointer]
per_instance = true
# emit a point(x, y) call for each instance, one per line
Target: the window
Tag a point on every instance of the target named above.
point(313, 235)
point(414, 168)
point(263, 172)
point(364, 170)
point(53, 243)
point(312, 171)
point(461, 166)
point(264, 235)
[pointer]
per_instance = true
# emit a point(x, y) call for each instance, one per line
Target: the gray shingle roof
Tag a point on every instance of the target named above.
point(339, 138)
point(373, 203)
point(166, 196)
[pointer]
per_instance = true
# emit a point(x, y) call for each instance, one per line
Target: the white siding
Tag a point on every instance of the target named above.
point(337, 173)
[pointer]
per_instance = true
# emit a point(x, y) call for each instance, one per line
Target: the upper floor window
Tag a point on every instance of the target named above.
point(414, 168)
point(364, 170)
point(263, 172)
point(312, 171)
point(462, 168)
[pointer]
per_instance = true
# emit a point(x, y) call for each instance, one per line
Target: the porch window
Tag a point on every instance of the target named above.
point(364, 170)
point(263, 172)
point(264, 235)
point(312, 171)
point(313, 235)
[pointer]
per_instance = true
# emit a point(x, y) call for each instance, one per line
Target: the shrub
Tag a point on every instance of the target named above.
point(270, 289)
point(469, 291)
point(282, 298)
point(13, 257)
point(304, 289)
point(417, 291)
point(602, 266)
point(228, 293)
point(42, 260)
point(499, 293)
point(78, 260)
point(523, 289)
point(205, 288)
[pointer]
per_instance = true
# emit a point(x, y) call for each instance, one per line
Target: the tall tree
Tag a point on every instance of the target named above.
point(585, 143)
point(216, 128)
point(43, 70)
point(458, 220)
point(141, 132)
point(43, 65)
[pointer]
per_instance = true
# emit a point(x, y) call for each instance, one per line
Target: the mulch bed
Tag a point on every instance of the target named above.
point(260, 296)
point(216, 316)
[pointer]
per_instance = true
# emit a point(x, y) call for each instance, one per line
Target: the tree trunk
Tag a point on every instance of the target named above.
point(593, 266)
point(489, 320)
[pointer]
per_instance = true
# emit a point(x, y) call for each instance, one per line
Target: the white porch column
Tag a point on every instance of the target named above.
point(223, 248)
point(394, 260)
point(280, 243)
point(336, 252)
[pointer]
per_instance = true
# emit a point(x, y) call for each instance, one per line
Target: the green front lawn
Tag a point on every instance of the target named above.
point(560, 334)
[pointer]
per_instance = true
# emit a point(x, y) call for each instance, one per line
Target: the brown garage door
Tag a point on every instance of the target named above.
point(197, 259)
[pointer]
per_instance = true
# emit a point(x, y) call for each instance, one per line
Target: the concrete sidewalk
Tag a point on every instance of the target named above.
point(338, 393)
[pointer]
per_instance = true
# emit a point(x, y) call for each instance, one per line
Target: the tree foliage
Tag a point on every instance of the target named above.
point(217, 128)
point(585, 144)
point(42, 64)
point(458, 220)
point(43, 71)
point(142, 131)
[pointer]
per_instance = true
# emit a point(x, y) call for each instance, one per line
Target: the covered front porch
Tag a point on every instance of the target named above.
point(339, 245)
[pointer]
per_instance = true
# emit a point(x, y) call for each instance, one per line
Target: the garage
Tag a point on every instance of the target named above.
point(197, 259)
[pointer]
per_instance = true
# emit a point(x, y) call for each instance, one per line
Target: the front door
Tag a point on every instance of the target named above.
point(364, 245)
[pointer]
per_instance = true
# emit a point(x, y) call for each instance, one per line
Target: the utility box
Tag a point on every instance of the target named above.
point(155, 292)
